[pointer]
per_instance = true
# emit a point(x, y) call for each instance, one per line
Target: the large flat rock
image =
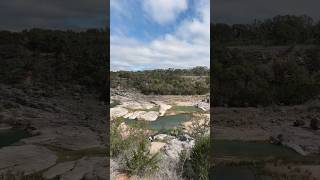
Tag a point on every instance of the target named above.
point(149, 116)
point(162, 107)
point(87, 168)
point(59, 169)
point(26, 158)
point(69, 137)
point(118, 112)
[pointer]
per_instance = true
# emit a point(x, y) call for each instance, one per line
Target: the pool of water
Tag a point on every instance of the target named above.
point(234, 173)
point(246, 149)
point(164, 122)
point(8, 137)
point(238, 148)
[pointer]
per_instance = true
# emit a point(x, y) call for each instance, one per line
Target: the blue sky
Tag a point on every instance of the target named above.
point(152, 34)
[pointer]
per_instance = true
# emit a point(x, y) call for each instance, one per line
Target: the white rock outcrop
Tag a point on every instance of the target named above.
point(174, 147)
point(134, 115)
point(26, 158)
point(156, 146)
point(149, 116)
point(131, 105)
point(118, 112)
point(162, 107)
point(163, 137)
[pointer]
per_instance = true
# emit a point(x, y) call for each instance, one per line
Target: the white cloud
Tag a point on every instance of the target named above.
point(164, 11)
point(188, 46)
point(120, 8)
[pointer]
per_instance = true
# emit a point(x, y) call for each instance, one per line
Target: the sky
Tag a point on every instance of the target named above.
point(158, 34)
point(245, 11)
point(17, 15)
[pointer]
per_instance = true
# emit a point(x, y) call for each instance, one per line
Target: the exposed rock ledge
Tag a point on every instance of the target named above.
point(118, 112)
point(26, 158)
point(163, 107)
point(150, 116)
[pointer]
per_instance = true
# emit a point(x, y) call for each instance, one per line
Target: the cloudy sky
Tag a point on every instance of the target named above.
point(153, 34)
point(53, 14)
point(245, 11)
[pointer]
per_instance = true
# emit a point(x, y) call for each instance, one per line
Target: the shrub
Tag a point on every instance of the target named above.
point(197, 167)
point(117, 144)
point(140, 161)
point(314, 124)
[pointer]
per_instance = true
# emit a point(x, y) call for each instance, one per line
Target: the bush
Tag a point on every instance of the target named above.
point(197, 167)
point(140, 161)
point(117, 144)
point(314, 124)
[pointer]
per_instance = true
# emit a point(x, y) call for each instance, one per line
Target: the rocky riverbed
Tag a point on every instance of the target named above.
point(145, 108)
point(286, 126)
point(68, 133)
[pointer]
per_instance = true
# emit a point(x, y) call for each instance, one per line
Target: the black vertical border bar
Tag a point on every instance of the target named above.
point(211, 155)
point(107, 86)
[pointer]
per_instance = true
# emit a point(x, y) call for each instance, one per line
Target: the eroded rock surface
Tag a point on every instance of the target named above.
point(149, 116)
point(162, 107)
point(174, 148)
point(118, 112)
point(26, 158)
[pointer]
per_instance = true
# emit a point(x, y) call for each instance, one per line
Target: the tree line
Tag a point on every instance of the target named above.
point(55, 57)
point(274, 61)
point(279, 30)
point(164, 81)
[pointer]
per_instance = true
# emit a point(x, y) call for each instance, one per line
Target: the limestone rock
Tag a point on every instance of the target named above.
point(156, 146)
point(131, 105)
point(174, 148)
point(26, 158)
point(163, 107)
point(87, 168)
point(118, 112)
point(59, 169)
point(149, 116)
point(134, 115)
point(163, 137)
point(147, 105)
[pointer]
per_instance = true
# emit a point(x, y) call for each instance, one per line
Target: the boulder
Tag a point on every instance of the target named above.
point(203, 105)
point(118, 112)
point(163, 137)
point(174, 147)
point(155, 147)
point(149, 116)
point(162, 107)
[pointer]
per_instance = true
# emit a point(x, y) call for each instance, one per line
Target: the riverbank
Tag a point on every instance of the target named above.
point(247, 128)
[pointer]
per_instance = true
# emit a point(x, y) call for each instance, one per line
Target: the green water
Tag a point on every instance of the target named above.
point(164, 122)
point(233, 173)
point(8, 137)
point(247, 149)
point(238, 148)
